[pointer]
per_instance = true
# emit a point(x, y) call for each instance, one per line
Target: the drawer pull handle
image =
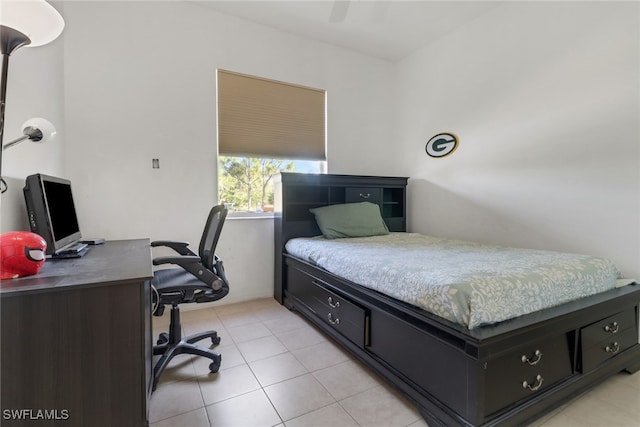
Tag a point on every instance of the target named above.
point(333, 321)
point(534, 361)
point(613, 328)
point(333, 304)
point(536, 386)
point(365, 195)
point(614, 348)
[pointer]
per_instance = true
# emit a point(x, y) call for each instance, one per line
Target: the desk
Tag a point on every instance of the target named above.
point(76, 340)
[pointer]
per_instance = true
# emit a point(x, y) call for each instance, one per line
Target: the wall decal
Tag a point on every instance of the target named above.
point(442, 145)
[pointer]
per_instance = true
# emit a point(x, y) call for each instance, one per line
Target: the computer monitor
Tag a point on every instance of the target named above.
point(51, 211)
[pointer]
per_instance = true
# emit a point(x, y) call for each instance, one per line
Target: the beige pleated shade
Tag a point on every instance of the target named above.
point(259, 117)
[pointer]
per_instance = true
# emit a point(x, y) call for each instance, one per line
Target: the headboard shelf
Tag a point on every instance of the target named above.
point(296, 193)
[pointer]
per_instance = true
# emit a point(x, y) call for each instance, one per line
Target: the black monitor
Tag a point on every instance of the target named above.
point(51, 210)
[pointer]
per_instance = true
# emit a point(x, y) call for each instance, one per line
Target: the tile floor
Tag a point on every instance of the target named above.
point(278, 370)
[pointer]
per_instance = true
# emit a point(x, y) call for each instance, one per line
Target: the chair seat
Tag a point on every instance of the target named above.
point(173, 279)
point(174, 286)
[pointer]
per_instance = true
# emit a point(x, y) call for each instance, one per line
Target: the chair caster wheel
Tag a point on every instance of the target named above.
point(215, 340)
point(215, 365)
point(163, 338)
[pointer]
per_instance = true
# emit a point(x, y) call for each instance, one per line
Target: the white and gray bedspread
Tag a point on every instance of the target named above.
point(471, 284)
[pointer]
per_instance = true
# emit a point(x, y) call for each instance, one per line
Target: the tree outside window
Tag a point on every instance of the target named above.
point(246, 183)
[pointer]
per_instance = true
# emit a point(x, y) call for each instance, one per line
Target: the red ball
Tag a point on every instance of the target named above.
point(22, 253)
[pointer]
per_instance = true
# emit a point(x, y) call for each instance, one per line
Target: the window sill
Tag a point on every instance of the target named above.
point(250, 215)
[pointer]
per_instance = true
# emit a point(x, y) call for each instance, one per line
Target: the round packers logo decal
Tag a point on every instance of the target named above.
point(442, 145)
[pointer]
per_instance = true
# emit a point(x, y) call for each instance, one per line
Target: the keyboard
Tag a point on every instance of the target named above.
point(74, 251)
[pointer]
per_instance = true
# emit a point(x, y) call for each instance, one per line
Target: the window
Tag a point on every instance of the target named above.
point(245, 184)
point(264, 127)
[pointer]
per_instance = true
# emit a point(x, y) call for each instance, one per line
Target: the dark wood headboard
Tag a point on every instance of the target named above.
point(296, 193)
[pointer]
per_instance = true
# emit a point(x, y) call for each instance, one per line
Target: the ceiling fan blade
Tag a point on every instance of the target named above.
point(339, 10)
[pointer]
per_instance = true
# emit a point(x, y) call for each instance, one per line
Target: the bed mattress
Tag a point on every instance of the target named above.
point(468, 283)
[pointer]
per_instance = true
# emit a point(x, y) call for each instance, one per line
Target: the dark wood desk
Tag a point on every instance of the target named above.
point(76, 340)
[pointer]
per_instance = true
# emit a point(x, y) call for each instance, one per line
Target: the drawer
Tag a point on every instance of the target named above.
point(363, 194)
point(608, 328)
point(334, 310)
point(606, 338)
point(526, 372)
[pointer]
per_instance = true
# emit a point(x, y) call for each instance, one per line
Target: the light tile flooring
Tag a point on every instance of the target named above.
point(278, 370)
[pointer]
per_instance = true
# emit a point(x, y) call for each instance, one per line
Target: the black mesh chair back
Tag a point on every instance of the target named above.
point(210, 236)
point(198, 278)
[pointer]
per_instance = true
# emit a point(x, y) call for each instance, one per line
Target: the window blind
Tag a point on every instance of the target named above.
point(259, 117)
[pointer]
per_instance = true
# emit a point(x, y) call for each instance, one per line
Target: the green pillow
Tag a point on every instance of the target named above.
point(350, 220)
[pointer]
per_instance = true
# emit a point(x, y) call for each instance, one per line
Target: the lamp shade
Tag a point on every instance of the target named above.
point(36, 19)
point(39, 126)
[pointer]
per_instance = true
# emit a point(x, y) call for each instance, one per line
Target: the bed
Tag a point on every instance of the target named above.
point(462, 351)
point(467, 283)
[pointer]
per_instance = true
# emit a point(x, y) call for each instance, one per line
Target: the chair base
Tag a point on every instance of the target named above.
point(172, 344)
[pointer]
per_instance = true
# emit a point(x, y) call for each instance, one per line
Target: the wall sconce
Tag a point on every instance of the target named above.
point(37, 130)
point(23, 23)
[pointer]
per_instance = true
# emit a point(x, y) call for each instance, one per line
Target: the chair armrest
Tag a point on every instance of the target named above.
point(193, 265)
point(180, 247)
point(182, 260)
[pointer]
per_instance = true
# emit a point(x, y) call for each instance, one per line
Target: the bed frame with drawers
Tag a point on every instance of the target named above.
point(505, 374)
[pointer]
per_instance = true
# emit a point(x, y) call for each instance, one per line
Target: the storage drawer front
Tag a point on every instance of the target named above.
point(442, 370)
point(594, 355)
point(525, 372)
point(363, 194)
point(607, 328)
point(606, 338)
point(342, 315)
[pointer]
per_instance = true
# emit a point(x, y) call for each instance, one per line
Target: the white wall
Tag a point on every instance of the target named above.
point(246, 247)
point(140, 84)
point(544, 97)
point(35, 88)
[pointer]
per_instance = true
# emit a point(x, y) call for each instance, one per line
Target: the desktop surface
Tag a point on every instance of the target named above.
point(110, 262)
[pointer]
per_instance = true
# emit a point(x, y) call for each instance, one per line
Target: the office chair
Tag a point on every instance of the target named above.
point(199, 278)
